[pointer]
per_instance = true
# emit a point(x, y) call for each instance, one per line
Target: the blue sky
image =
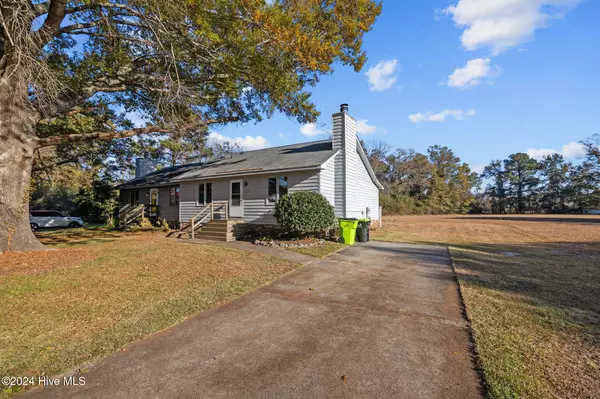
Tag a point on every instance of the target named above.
point(485, 77)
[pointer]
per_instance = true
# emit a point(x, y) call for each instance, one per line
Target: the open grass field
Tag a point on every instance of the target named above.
point(102, 290)
point(531, 286)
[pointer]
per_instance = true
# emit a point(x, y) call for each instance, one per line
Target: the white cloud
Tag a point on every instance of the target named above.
point(502, 24)
point(382, 76)
point(540, 153)
point(473, 73)
point(247, 143)
point(311, 130)
point(573, 150)
point(457, 114)
point(284, 135)
point(363, 127)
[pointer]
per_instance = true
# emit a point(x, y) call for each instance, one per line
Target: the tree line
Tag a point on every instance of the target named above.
point(521, 184)
point(79, 178)
point(438, 182)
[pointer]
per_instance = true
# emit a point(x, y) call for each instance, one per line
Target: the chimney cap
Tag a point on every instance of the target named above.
point(344, 107)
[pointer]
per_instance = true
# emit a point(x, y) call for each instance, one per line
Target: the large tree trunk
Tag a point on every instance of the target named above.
point(17, 144)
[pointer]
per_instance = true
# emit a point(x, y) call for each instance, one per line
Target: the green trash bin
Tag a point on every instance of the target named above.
point(348, 230)
point(362, 232)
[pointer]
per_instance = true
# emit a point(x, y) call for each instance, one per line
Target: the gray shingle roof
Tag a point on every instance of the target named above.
point(296, 156)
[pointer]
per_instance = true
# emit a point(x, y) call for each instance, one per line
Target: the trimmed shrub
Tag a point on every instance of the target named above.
point(304, 212)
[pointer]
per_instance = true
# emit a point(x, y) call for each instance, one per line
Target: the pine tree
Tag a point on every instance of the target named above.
point(521, 171)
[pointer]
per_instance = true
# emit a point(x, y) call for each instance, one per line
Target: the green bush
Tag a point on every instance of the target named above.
point(304, 212)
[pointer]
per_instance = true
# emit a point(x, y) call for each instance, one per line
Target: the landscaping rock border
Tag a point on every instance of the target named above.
point(289, 244)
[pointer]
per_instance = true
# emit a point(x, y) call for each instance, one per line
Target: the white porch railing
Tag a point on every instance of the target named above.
point(218, 208)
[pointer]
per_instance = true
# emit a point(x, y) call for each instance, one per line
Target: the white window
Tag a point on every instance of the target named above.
point(204, 193)
point(277, 187)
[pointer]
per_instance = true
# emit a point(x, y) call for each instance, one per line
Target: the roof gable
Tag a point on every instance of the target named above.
point(365, 161)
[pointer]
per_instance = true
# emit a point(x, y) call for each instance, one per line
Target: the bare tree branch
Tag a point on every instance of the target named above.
point(70, 138)
point(39, 8)
point(56, 14)
point(73, 112)
point(68, 102)
point(45, 167)
point(73, 27)
point(87, 7)
point(77, 27)
point(110, 36)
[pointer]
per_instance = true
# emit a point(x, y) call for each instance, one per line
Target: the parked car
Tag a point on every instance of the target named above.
point(46, 219)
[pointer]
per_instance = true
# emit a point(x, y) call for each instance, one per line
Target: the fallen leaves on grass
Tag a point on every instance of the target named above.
point(123, 291)
point(35, 262)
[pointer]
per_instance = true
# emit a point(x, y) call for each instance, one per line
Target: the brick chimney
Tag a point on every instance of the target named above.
point(144, 166)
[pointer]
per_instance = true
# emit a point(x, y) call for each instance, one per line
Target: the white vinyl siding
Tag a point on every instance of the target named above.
point(188, 197)
point(327, 181)
point(337, 123)
point(358, 181)
point(257, 209)
point(352, 180)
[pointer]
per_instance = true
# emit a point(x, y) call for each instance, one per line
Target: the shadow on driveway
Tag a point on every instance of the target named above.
point(377, 320)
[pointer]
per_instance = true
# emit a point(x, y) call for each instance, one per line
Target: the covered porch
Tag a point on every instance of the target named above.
point(152, 203)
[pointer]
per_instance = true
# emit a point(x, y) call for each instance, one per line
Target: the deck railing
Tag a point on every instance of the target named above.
point(212, 211)
point(129, 214)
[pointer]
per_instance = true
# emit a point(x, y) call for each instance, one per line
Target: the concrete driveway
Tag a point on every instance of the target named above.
point(377, 320)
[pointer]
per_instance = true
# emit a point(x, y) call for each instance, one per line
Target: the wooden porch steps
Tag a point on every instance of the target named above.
point(217, 230)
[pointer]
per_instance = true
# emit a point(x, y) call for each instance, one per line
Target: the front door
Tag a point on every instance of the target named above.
point(153, 208)
point(236, 198)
